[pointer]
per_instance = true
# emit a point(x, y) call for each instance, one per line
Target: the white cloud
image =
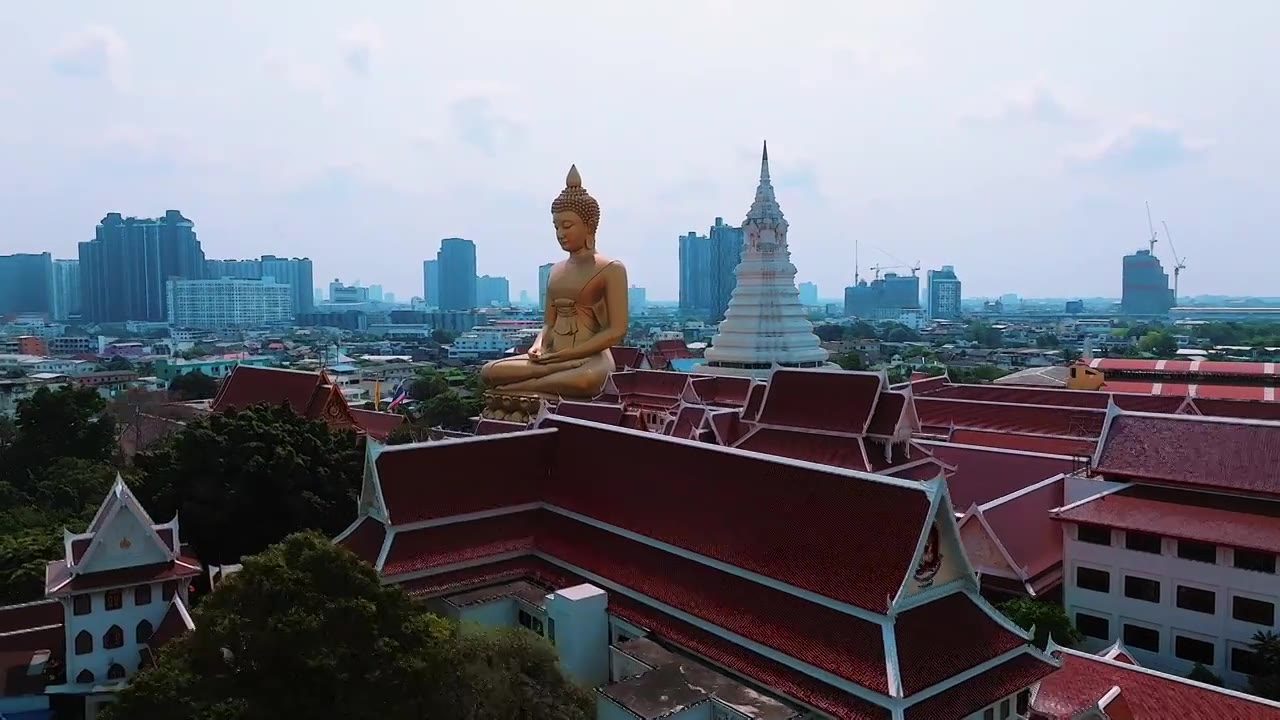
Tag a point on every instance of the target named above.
point(96, 51)
point(1037, 106)
point(302, 76)
point(1140, 146)
point(359, 45)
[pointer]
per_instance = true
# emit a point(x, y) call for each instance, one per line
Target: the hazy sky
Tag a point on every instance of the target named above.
point(1014, 141)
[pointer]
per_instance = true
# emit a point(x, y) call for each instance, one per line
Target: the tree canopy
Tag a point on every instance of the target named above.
point(194, 385)
point(1048, 619)
point(307, 630)
point(245, 479)
point(53, 424)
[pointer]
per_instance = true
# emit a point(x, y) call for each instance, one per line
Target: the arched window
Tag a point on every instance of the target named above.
point(84, 677)
point(144, 632)
point(142, 595)
point(113, 638)
point(84, 643)
point(115, 672)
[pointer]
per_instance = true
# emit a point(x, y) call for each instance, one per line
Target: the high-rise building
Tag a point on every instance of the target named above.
point(883, 298)
point(389, 297)
point(123, 269)
point(544, 276)
point(457, 262)
point(297, 274)
point(243, 269)
point(229, 303)
point(695, 272)
point(375, 293)
point(66, 289)
point(431, 282)
point(765, 326)
point(637, 302)
point(492, 290)
point(726, 254)
point(1144, 286)
point(808, 294)
point(26, 283)
point(944, 294)
point(339, 293)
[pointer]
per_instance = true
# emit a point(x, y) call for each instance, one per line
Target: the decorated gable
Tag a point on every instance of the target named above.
point(121, 535)
point(941, 559)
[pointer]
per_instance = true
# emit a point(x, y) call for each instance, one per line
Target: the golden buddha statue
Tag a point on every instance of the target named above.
point(585, 312)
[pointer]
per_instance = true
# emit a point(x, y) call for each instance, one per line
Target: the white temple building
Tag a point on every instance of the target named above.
point(765, 326)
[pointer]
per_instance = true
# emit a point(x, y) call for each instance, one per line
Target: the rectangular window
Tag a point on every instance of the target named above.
point(989, 714)
point(1093, 626)
point(1024, 702)
point(142, 595)
point(114, 599)
point(1193, 650)
point(525, 619)
point(1142, 542)
point(1096, 580)
point(81, 605)
point(1141, 589)
point(1258, 612)
point(1141, 638)
point(1244, 661)
point(1093, 534)
point(1255, 561)
point(551, 630)
point(1198, 551)
point(1004, 709)
point(1201, 601)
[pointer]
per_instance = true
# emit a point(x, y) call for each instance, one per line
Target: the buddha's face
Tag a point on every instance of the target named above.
point(572, 233)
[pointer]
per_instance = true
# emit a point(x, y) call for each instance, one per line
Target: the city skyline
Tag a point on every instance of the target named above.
point(924, 132)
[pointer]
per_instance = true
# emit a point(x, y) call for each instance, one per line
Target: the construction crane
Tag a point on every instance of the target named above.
point(1178, 264)
point(1151, 241)
point(913, 268)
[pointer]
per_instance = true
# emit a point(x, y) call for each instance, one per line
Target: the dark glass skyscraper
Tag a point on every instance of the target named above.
point(726, 253)
point(297, 274)
point(26, 283)
point(695, 272)
point(123, 269)
point(1144, 286)
point(457, 269)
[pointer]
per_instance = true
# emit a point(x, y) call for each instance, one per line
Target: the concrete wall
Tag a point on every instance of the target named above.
point(100, 619)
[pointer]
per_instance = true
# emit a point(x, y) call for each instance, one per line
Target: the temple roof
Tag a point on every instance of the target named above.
point(765, 207)
point(310, 394)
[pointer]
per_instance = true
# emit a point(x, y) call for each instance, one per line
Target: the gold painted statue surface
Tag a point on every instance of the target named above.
point(585, 312)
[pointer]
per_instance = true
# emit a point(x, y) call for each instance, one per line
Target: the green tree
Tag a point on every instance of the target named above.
point(23, 556)
point(850, 361)
point(828, 332)
point(1158, 343)
point(985, 335)
point(902, 334)
point(1265, 681)
point(1200, 673)
point(53, 424)
point(194, 385)
point(307, 630)
point(427, 385)
point(117, 364)
point(861, 330)
point(245, 479)
point(1049, 620)
point(448, 411)
point(1047, 341)
point(441, 337)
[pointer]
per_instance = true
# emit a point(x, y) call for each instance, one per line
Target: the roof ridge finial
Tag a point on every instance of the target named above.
point(764, 163)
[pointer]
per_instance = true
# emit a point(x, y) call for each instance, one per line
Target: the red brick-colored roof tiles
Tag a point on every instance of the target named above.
point(973, 637)
point(365, 540)
point(925, 385)
point(820, 530)
point(377, 425)
point(1009, 418)
point(1042, 444)
point(718, 390)
point(441, 545)
point(249, 385)
point(487, 426)
point(755, 398)
point(1026, 529)
point(1257, 410)
point(1217, 453)
point(984, 474)
point(59, 581)
point(888, 415)
point(1189, 520)
point(1007, 678)
point(172, 626)
point(1059, 397)
point(606, 413)
point(453, 477)
point(840, 402)
point(664, 351)
point(1148, 695)
point(727, 427)
point(17, 620)
point(688, 422)
point(838, 451)
point(627, 358)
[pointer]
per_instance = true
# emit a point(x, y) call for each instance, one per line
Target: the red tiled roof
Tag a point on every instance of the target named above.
point(1041, 444)
point(1026, 529)
point(755, 398)
point(607, 413)
point(366, 540)
point(496, 427)
point(653, 383)
point(1218, 453)
point(727, 427)
point(972, 638)
point(1007, 417)
point(1179, 520)
point(57, 573)
point(627, 358)
point(1257, 410)
point(249, 385)
point(820, 400)
point(452, 477)
point(929, 470)
point(171, 627)
point(889, 410)
point(1007, 678)
point(688, 422)
point(1059, 397)
point(1084, 679)
point(925, 385)
point(719, 390)
point(838, 451)
point(377, 425)
point(440, 545)
point(820, 530)
point(982, 475)
point(1187, 367)
point(17, 622)
point(144, 431)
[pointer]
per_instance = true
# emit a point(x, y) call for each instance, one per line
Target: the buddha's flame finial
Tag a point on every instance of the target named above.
point(574, 179)
point(764, 163)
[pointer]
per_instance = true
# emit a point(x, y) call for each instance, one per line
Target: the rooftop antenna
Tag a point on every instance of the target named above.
point(1151, 242)
point(1178, 264)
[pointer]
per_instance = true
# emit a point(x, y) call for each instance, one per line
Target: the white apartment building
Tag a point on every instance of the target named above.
point(1174, 552)
point(229, 303)
point(491, 341)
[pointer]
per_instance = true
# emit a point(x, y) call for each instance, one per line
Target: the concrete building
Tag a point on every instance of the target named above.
point(944, 294)
point(765, 326)
point(726, 254)
point(544, 276)
point(492, 290)
point(294, 272)
point(123, 270)
point(26, 283)
point(808, 294)
point(229, 304)
point(883, 298)
point(243, 269)
point(340, 293)
point(375, 293)
point(485, 342)
point(66, 289)
point(695, 273)
point(637, 300)
point(1144, 286)
point(431, 282)
point(457, 263)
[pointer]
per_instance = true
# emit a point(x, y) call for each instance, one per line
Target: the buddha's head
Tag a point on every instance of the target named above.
point(576, 215)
